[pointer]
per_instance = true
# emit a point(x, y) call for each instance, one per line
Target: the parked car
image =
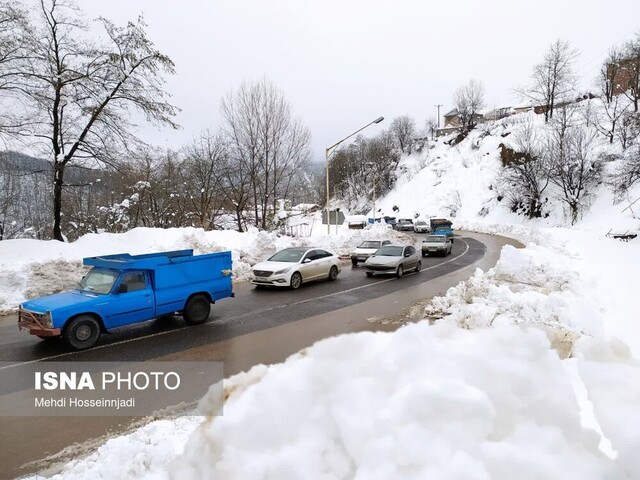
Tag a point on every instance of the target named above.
point(366, 249)
point(393, 259)
point(123, 289)
point(292, 267)
point(437, 244)
point(421, 227)
point(404, 224)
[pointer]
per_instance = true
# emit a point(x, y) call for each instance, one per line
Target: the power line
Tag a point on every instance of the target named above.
point(606, 50)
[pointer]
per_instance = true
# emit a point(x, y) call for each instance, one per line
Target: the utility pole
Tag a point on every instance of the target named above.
point(438, 107)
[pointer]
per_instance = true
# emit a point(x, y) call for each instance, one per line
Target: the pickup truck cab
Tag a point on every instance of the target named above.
point(437, 244)
point(124, 289)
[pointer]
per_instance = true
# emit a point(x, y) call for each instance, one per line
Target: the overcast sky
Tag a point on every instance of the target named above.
point(343, 63)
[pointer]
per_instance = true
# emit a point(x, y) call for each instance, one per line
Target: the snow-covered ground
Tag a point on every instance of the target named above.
point(529, 370)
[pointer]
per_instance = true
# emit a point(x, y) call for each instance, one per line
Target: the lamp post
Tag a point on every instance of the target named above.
point(327, 153)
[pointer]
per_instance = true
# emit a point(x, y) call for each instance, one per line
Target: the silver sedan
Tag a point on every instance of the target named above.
point(393, 259)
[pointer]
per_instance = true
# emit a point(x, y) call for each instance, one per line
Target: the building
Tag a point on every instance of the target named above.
point(623, 74)
point(498, 113)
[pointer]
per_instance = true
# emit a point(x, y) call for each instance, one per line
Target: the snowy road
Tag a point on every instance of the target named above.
point(258, 326)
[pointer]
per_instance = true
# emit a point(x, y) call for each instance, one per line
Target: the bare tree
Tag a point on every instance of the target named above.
point(526, 173)
point(609, 74)
point(13, 52)
point(613, 106)
point(403, 131)
point(430, 128)
point(574, 167)
point(553, 80)
point(629, 70)
point(468, 101)
point(78, 95)
point(359, 168)
point(266, 142)
point(203, 172)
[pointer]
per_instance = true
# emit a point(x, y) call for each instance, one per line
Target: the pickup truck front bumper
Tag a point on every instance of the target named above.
point(29, 322)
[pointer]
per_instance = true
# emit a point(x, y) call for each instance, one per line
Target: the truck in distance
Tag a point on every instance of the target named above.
point(441, 226)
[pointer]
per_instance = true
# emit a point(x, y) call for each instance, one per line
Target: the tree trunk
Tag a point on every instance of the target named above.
point(58, 175)
point(239, 219)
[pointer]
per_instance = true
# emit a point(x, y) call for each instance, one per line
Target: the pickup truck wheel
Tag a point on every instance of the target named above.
point(197, 310)
point(333, 273)
point(82, 332)
point(296, 280)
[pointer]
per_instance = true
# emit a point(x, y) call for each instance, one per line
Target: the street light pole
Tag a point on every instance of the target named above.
point(327, 154)
point(438, 107)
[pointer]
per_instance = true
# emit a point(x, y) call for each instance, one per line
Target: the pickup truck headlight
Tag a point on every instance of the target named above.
point(46, 320)
point(284, 270)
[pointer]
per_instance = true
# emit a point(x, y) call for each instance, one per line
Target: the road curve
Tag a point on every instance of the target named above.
point(258, 326)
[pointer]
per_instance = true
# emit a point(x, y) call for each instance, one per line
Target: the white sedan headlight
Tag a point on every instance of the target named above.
point(284, 270)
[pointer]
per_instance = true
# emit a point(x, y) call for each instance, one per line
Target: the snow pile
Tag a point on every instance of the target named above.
point(535, 286)
point(141, 454)
point(612, 380)
point(424, 402)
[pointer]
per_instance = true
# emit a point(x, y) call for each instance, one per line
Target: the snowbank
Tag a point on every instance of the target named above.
point(425, 402)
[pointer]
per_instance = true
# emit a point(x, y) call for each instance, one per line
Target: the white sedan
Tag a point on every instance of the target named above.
point(292, 267)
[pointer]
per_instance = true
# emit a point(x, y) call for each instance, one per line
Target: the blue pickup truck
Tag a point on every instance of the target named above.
point(442, 226)
point(124, 289)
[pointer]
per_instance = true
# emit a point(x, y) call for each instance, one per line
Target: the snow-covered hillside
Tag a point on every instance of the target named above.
point(527, 371)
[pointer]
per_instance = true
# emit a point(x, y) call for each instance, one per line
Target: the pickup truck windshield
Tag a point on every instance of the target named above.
point(98, 281)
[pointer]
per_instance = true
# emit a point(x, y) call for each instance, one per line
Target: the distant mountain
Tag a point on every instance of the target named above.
point(21, 162)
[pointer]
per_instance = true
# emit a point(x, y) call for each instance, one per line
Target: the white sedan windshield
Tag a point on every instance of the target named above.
point(292, 255)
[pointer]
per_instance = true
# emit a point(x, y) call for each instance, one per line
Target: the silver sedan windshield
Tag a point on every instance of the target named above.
point(390, 251)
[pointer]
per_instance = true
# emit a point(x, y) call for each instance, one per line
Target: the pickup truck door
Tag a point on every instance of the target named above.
point(131, 301)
